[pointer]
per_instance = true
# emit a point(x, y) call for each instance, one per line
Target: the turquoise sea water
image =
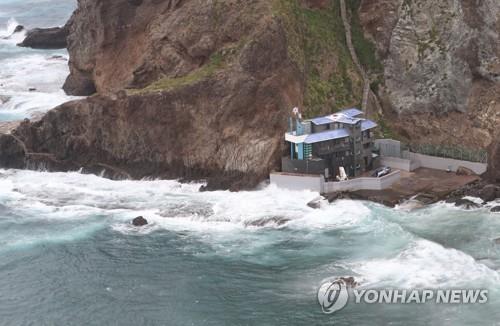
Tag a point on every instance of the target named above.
point(69, 256)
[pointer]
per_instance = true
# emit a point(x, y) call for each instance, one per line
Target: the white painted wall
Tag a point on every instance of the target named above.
point(363, 183)
point(397, 163)
point(298, 181)
point(318, 184)
point(443, 164)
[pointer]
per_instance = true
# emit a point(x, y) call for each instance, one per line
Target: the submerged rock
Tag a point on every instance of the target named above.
point(278, 220)
point(139, 221)
point(467, 204)
point(318, 202)
point(495, 209)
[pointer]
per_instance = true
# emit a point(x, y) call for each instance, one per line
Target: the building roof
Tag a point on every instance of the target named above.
point(336, 117)
point(326, 135)
point(348, 116)
point(367, 124)
point(351, 112)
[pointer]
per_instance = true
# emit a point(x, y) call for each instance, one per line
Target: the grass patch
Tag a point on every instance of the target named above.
point(215, 63)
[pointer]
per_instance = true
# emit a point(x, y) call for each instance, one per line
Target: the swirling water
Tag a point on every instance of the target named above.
point(69, 256)
point(31, 80)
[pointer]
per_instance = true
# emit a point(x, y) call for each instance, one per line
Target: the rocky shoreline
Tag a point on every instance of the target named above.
point(481, 188)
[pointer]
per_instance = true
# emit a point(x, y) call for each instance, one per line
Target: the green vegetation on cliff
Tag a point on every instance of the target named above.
point(216, 62)
point(365, 49)
point(316, 43)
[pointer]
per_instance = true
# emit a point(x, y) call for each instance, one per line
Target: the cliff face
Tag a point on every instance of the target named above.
point(195, 88)
point(441, 69)
point(189, 88)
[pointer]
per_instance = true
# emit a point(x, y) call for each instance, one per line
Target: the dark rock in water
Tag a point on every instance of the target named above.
point(46, 38)
point(32, 89)
point(316, 202)
point(350, 282)
point(489, 193)
point(57, 57)
point(340, 195)
point(495, 209)
point(18, 29)
point(139, 221)
point(467, 204)
point(271, 220)
point(426, 199)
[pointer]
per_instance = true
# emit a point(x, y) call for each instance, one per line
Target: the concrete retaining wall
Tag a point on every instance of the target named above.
point(388, 147)
point(318, 184)
point(440, 163)
point(397, 163)
point(298, 181)
point(363, 183)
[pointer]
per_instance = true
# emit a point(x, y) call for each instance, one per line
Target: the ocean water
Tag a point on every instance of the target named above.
point(23, 69)
point(69, 256)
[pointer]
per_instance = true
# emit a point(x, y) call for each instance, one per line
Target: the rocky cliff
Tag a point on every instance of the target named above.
point(196, 88)
point(188, 88)
point(441, 70)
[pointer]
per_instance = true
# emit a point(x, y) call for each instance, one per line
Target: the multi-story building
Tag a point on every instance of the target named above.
point(322, 145)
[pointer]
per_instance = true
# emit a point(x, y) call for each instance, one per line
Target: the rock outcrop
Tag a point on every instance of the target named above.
point(46, 38)
point(209, 87)
point(195, 89)
point(441, 75)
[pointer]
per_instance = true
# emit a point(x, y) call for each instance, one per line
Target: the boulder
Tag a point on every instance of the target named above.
point(465, 203)
point(139, 221)
point(316, 203)
point(46, 38)
point(495, 209)
point(465, 171)
point(489, 193)
point(18, 29)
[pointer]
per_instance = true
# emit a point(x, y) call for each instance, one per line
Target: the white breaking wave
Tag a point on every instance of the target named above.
point(6, 35)
point(425, 264)
point(30, 80)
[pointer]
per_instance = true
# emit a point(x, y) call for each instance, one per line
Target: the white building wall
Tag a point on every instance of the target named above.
point(397, 163)
point(318, 184)
point(298, 181)
point(440, 163)
point(363, 183)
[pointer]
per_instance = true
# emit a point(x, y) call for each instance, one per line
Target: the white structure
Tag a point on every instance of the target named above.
point(318, 184)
